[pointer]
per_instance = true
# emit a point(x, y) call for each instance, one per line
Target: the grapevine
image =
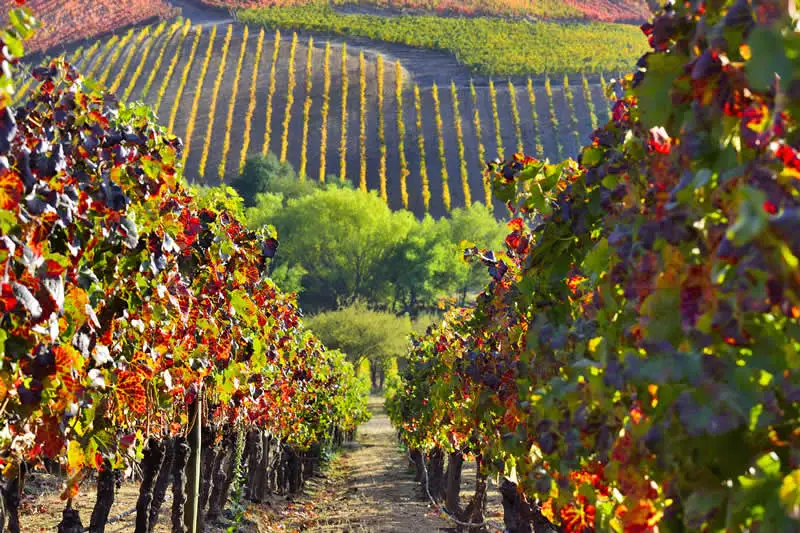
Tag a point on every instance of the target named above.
point(287, 114)
point(535, 120)
point(178, 95)
point(606, 101)
point(212, 108)
point(548, 90)
point(143, 59)
point(628, 365)
point(122, 71)
point(251, 106)
point(496, 117)
point(343, 139)
point(362, 127)
point(569, 97)
point(462, 160)
point(381, 129)
point(512, 94)
point(160, 58)
point(162, 89)
point(326, 105)
point(102, 56)
point(226, 145)
point(442, 157)
point(423, 167)
point(271, 93)
point(112, 61)
point(476, 123)
point(401, 135)
point(190, 123)
point(307, 108)
point(587, 96)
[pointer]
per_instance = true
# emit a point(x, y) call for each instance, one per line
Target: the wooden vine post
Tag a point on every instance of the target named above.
point(193, 468)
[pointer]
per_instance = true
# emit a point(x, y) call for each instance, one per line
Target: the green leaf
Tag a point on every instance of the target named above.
point(751, 220)
point(768, 59)
point(654, 91)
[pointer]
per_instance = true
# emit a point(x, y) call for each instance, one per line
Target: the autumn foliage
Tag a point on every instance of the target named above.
point(631, 363)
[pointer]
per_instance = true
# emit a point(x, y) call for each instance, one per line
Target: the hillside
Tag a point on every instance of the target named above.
point(600, 10)
point(64, 21)
point(220, 112)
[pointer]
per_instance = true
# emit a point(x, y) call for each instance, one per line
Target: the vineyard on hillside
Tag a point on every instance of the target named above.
point(489, 46)
point(606, 10)
point(225, 106)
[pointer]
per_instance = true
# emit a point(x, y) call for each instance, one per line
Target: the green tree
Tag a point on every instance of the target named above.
point(339, 236)
point(364, 334)
point(266, 174)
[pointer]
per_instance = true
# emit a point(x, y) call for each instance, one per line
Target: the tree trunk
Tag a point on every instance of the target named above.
point(105, 498)
point(179, 462)
point(151, 465)
point(162, 484)
point(70, 521)
point(436, 474)
point(452, 497)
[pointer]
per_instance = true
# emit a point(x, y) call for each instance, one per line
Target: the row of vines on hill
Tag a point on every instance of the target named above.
point(631, 365)
point(185, 72)
point(192, 120)
point(127, 304)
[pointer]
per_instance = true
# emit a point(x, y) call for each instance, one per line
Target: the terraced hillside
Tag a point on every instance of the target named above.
point(230, 90)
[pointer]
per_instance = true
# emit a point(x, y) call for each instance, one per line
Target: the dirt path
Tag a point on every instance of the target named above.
point(368, 489)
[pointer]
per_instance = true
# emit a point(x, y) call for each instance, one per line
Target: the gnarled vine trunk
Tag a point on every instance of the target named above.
point(255, 457)
point(70, 521)
point(474, 513)
point(105, 498)
point(435, 474)
point(179, 462)
point(224, 458)
point(162, 484)
point(11, 495)
point(419, 466)
point(452, 496)
point(151, 465)
point(520, 515)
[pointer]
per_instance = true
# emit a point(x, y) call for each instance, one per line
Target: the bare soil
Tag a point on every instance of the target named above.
point(368, 488)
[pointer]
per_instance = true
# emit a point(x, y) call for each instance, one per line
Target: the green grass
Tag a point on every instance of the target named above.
point(487, 45)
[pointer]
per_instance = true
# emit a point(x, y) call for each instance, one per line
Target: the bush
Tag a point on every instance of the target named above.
point(266, 174)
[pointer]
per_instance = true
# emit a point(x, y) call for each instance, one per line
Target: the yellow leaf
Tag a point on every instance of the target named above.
point(594, 343)
point(75, 458)
point(789, 493)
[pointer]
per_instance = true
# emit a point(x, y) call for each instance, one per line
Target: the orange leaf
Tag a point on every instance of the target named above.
point(11, 189)
point(131, 392)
